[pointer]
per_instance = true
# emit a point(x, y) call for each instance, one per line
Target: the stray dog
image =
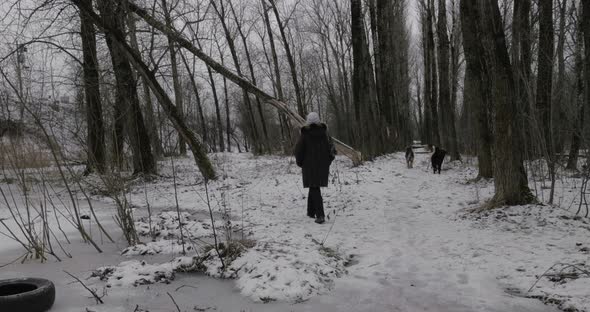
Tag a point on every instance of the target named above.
point(410, 157)
point(437, 159)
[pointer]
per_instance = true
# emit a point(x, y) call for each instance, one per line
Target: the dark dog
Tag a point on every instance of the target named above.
point(437, 159)
point(410, 157)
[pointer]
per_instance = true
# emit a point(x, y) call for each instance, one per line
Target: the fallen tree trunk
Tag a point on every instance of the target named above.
point(176, 36)
point(169, 108)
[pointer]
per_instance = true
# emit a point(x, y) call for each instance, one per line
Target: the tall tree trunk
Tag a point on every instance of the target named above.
point(300, 107)
point(586, 106)
point(217, 110)
point(227, 115)
point(434, 100)
point(364, 90)
point(226, 102)
point(558, 109)
point(521, 60)
point(474, 97)
point(420, 121)
point(118, 134)
point(201, 114)
point(544, 85)
point(455, 46)
point(483, 32)
point(446, 111)
point(253, 76)
point(95, 140)
point(545, 75)
point(285, 127)
point(220, 10)
point(386, 68)
point(175, 76)
point(577, 131)
point(425, 23)
point(150, 117)
point(127, 98)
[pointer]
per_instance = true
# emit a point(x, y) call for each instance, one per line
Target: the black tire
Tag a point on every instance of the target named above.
point(26, 295)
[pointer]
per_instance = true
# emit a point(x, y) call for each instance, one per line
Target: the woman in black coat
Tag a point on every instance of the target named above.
point(314, 153)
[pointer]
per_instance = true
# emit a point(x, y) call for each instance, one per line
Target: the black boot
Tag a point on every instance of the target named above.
point(320, 220)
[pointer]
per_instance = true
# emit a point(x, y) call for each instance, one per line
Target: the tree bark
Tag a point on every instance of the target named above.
point(95, 140)
point(434, 127)
point(446, 111)
point(217, 110)
point(545, 75)
point(521, 60)
point(175, 76)
point(558, 109)
point(483, 32)
point(425, 23)
point(227, 114)
point(577, 132)
point(150, 118)
point(475, 98)
point(363, 85)
point(544, 85)
point(201, 114)
point(586, 106)
point(143, 159)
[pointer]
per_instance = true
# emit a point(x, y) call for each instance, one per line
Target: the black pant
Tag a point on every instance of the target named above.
point(315, 203)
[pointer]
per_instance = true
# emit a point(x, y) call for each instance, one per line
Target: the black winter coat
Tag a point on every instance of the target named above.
point(314, 153)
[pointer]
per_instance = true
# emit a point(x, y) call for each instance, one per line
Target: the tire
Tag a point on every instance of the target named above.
point(26, 295)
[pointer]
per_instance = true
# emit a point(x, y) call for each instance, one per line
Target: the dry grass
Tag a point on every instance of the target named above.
point(21, 153)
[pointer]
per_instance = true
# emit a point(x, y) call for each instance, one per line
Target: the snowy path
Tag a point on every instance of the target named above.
point(410, 256)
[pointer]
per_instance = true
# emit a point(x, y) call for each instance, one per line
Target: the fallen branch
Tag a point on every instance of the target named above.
point(180, 287)
point(177, 307)
point(566, 266)
point(93, 292)
point(177, 37)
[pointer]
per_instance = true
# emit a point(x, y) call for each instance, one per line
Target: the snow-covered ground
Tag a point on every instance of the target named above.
point(397, 239)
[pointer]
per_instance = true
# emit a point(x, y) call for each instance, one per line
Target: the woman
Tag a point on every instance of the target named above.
point(314, 153)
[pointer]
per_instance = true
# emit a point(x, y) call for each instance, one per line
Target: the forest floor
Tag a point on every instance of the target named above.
point(397, 239)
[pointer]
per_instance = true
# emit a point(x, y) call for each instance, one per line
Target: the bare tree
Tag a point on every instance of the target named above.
point(544, 84)
point(220, 10)
point(96, 144)
point(244, 38)
point(447, 112)
point(580, 96)
point(363, 85)
point(201, 159)
point(282, 26)
point(175, 75)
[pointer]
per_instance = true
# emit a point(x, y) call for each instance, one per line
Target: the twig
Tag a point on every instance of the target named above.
point(177, 308)
point(180, 287)
point(96, 297)
point(565, 267)
point(13, 261)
